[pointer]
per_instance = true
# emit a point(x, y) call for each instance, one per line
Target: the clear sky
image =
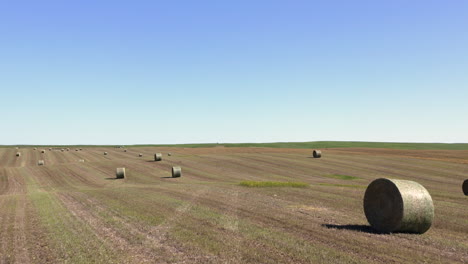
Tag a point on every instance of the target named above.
point(134, 72)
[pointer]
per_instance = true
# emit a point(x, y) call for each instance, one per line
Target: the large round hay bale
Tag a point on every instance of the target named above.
point(18, 154)
point(465, 187)
point(176, 172)
point(140, 155)
point(43, 151)
point(105, 153)
point(62, 150)
point(317, 154)
point(81, 149)
point(157, 157)
point(125, 150)
point(120, 173)
point(68, 149)
point(40, 163)
point(398, 206)
point(50, 149)
point(76, 149)
point(35, 148)
point(169, 154)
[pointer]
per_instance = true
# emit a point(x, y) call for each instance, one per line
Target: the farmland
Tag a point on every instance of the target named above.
point(77, 212)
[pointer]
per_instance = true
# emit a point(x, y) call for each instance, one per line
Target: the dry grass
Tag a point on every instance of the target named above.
point(273, 184)
point(78, 213)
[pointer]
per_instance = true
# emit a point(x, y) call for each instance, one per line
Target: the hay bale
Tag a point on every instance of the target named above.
point(125, 150)
point(120, 173)
point(81, 160)
point(76, 149)
point(317, 154)
point(68, 149)
point(40, 163)
point(157, 157)
point(18, 154)
point(140, 155)
point(169, 154)
point(35, 148)
point(50, 149)
point(81, 149)
point(105, 153)
point(176, 172)
point(398, 206)
point(43, 151)
point(62, 150)
point(465, 187)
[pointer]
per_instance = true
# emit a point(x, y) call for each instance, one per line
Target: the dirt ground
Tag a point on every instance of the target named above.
point(77, 212)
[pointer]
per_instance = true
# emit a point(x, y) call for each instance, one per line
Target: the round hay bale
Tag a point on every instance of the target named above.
point(120, 173)
point(76, 149)
point(81, 149)
point(157, 157)
point(35, 148)
point(125, 150)
point(81, 160)
point(18, 154)
point(16, 148)
point(43, 151)
point(105, 153)
point(398, 206)
point(317, 154)
point(50, 149)
point(40, 163)
point(169, 154)
point(465, 187)
point(140, 155)
point(68, 149)
point(176, 172)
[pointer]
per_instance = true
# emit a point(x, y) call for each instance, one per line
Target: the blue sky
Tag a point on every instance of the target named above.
point(135, 72)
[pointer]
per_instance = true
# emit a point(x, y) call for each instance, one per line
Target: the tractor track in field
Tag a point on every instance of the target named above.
point(155, 242)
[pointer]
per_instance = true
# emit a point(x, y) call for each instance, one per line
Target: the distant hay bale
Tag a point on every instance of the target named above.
point(140, 155)
point(76, 149)
point(50, 149)
point(81, 149)
point(62, 150)
point(81, 160)
point(16, 148)
point(398, 206)
point(18, 154)
point(465, 187)
point(35, 148)
point(105, 153)
point(120, 173)
point(68, 149)
point(176, 172)
point(125, 150)
point(157, 157)
point(169, 154)
point(43, 151)
point(317, 154)
point(40, 163)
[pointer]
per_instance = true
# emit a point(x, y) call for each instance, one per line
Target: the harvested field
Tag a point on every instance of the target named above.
point(75, 212)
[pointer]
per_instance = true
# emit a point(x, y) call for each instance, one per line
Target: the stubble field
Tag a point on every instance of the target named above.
point(76, 212)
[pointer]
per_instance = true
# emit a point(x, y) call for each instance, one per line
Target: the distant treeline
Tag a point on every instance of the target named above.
point(299, 145)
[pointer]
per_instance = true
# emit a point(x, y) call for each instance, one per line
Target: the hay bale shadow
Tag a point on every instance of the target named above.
point(357, 228)
point(167, 177)
point(111, 178)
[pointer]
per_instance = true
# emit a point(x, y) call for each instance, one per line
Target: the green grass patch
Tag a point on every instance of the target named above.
point(341, 177)
point(273, 184)
point(343, 185)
